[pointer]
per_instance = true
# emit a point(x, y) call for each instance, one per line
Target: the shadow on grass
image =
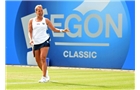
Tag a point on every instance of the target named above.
point(76, 84)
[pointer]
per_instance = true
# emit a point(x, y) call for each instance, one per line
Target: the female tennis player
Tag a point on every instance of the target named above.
point(37, 27)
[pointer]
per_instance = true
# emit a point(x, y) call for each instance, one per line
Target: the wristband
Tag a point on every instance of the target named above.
point(61, 30)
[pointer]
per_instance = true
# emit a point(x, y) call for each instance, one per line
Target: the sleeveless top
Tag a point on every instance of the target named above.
point(39, 34)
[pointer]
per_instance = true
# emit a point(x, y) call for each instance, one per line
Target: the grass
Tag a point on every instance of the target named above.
point(26, 78)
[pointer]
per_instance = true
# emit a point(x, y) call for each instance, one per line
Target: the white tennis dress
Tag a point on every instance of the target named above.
point(39, 34)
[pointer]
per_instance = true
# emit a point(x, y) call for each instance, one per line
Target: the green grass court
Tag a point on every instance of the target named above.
point(26, 78)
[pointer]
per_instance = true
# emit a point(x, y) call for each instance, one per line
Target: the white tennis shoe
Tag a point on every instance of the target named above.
point(44, 79)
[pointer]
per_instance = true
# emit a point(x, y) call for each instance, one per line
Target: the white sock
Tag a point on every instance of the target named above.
point(47, 73)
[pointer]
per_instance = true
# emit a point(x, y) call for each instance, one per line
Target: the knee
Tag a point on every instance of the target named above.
point(43, 59)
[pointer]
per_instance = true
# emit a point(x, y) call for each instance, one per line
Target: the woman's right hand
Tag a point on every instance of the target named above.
point(31, 42)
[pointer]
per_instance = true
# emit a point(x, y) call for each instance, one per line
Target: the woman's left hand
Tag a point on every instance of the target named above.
point(66, 30)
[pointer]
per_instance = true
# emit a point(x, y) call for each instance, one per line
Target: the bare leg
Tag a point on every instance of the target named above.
point(37, 57)
point(43, 55)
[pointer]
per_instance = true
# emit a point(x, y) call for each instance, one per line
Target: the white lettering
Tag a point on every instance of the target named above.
point(80, 54)
point(108, 23)
point(65, 54)
point(94, 54)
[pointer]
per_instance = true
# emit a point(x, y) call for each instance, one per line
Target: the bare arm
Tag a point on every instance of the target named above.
point(30, 30)
point(50, 25)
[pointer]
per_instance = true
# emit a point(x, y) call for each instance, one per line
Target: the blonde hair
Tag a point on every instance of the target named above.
point(37, 7)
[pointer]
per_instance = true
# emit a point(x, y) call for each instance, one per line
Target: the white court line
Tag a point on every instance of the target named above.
point(20, 83)
point(27, 82)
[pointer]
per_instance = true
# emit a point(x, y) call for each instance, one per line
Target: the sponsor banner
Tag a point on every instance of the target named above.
point(101, 33)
